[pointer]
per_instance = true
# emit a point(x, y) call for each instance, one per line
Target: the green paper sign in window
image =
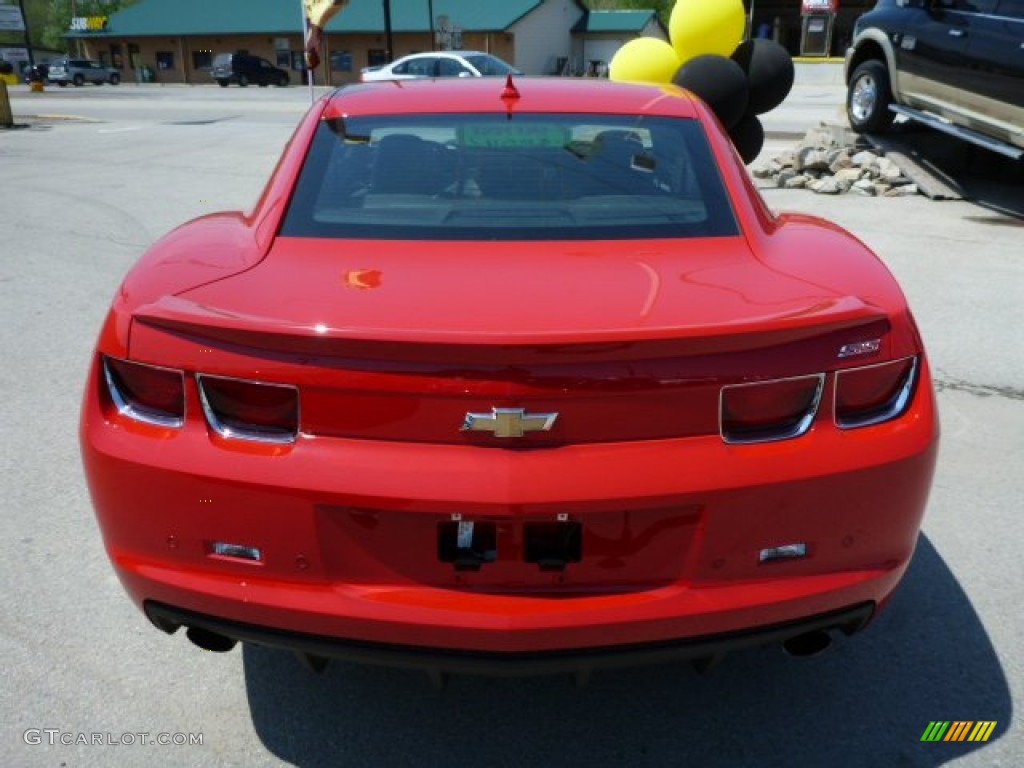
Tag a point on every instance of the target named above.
point(513, 135)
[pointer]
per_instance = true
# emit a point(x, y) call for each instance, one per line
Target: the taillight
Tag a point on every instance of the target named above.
point(146, 393)
point(874, 393)
point(770, 410)
point(250, 410)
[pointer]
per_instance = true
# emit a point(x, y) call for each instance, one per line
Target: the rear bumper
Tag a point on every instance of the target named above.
point(348, 533)
point(705, 650)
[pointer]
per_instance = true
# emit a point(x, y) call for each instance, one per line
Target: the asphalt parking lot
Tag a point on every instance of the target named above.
point(83, 197)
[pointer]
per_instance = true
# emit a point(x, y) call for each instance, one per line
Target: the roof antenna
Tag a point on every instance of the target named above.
point(510, 91)
point(510, 95)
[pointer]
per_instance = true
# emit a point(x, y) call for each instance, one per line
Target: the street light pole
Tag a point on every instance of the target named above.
point(388, 42)
point(430, 14)
point(78, 40)
point(28, 37)
point(305, 37)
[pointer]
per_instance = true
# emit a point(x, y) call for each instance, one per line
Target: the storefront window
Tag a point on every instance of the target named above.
point(164, 60)
point(341, 61)
point(202, 59)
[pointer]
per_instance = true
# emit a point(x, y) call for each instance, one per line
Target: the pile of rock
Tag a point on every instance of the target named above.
point(826, 164)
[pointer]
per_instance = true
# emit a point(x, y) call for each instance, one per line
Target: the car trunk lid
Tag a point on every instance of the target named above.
point(397, 341)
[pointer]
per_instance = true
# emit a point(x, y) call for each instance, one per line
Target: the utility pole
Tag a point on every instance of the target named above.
point(74, 14)
point(28, 37)
point(388, 42)
point(430, 14)
point(310, 71)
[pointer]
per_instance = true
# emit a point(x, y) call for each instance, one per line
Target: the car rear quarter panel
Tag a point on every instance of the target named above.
point(220, 245)
point(824, 253)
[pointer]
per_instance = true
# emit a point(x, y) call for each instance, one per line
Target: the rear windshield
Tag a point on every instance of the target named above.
point(509, 177)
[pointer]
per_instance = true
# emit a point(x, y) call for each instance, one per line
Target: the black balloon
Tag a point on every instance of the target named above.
point(720, 82)
point(769, 71)
point(748, 137)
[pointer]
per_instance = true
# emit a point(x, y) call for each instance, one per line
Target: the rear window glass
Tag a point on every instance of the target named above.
point(423, 67)
point(509, 177)
point(488, 65)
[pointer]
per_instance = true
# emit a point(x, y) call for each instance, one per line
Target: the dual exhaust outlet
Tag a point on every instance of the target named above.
point(803, 645)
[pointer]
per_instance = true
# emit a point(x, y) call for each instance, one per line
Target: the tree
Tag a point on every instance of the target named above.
point(49, 20)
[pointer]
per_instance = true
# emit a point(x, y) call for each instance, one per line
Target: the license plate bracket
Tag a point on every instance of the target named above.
point(553, 546)
point(467, 545)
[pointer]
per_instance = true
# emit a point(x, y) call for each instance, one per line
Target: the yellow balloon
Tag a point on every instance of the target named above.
point(706, 26)
point(644, 59)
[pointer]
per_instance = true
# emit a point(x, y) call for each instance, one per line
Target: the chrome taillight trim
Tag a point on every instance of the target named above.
point(893, 409)
point(232, 433)
point(130, 411)
point(800, 428)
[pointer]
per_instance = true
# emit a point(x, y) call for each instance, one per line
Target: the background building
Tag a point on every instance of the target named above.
point(599, 34)
point(174, 41)
point(177, 39)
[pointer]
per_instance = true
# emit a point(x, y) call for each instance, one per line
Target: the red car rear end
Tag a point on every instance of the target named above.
point(450, 401)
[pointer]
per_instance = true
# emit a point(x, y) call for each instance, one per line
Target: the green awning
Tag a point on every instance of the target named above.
point(178, 18)
point(633, 22)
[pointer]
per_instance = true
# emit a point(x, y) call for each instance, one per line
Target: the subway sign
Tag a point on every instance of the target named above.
point(88, 24)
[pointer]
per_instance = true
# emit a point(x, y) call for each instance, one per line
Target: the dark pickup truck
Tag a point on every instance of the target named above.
point(956, 65)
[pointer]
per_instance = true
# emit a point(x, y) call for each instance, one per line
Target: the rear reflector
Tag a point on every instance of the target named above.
point(875, 393)
point(250, 410)
point(792, 551)
point(146, 393)
point(770, 410)
point(237, 551)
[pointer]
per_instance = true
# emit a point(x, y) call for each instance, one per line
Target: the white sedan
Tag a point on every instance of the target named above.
point(440, 64)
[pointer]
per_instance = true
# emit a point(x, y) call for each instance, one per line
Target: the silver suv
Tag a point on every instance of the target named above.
point(82, 71)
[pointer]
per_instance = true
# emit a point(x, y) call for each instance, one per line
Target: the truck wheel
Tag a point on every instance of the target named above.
point(868, 98)
point(243, 81)
point(115, 79)
point(223, 82)
point(78, 80)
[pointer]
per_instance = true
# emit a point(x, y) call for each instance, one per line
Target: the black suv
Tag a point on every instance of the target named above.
point(243, 69)
point(956, 65)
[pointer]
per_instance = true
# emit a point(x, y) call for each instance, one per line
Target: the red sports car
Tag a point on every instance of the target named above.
point(509, 377)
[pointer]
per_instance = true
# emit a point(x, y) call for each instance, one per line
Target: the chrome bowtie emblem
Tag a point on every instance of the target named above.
point(509, 422)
